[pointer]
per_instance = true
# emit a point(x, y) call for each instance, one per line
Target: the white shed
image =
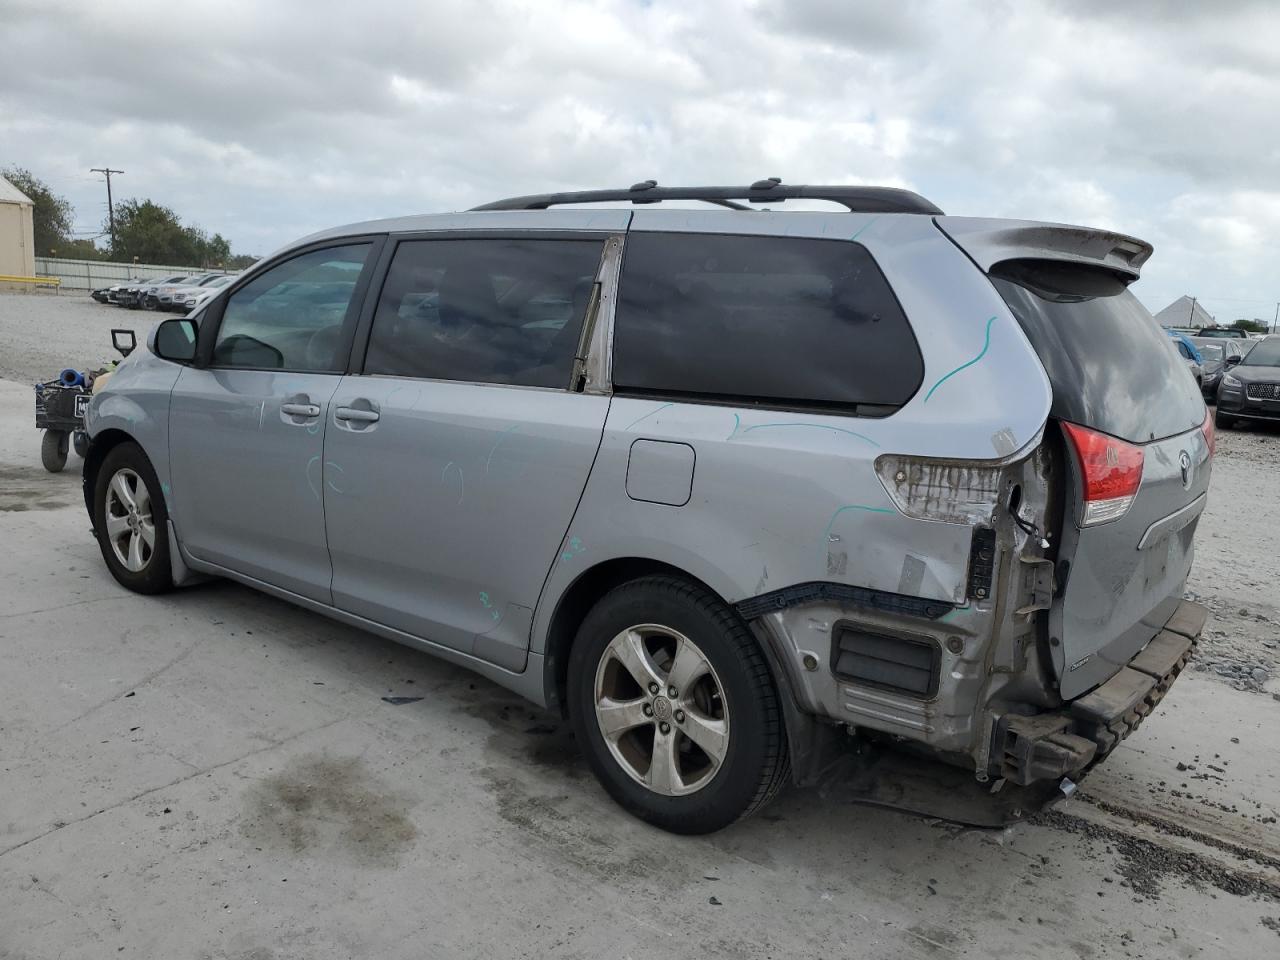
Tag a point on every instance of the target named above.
point(1184, 312)
point(17, 246)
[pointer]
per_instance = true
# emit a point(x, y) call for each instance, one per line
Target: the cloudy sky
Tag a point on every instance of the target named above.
point(266, 121)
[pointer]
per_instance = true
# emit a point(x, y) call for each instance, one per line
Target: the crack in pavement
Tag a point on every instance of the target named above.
point(61, 606)
point(146, 679)
point(172, 783)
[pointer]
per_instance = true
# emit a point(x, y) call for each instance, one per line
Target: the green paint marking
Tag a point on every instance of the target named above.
point(863, 228)
point(648, 415)
point(826, 534)
point(986, 343)
point(815, 426)
point(492, 450)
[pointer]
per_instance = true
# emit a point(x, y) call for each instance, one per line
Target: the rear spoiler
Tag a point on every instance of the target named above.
point(989, 242)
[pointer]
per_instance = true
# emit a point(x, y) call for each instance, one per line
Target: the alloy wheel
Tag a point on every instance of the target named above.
point(130, 527)
point(661, 709)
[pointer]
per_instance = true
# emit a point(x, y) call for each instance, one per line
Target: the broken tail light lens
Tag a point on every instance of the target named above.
point(1111, 470)
point(1209, 437)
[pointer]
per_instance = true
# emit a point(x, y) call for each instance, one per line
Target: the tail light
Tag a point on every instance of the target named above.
point(1207, 429)
point(1111, 470)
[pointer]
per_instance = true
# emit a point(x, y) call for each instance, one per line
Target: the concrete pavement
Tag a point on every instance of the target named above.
point(214, 773)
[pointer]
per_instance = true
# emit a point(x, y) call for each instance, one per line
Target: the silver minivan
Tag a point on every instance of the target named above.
point(728, 486)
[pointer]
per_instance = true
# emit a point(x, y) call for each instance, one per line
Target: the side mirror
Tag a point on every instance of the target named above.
point(176, 340)
point(124, 341)
point(1233, 360)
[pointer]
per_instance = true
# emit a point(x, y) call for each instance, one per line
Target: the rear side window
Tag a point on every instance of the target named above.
point(1107, 359)
point(484, 311)
point(772, 320)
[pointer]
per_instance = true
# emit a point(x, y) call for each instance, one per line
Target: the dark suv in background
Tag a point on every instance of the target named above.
point(1250, 389)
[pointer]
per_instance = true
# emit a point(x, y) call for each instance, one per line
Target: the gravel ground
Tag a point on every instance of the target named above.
point(43, 334)
point(220, 768)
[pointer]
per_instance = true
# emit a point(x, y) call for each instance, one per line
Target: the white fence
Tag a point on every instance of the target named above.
point(91, 274)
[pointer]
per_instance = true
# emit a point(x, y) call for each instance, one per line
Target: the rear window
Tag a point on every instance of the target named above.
point(770, 320)
point(1108, 360)
point(1210, 351)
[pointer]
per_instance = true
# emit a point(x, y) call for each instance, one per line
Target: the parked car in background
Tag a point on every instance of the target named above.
point(186, 299)
point(150, 295)
point(1191, 356)
point(161, 297)
point(1223, 332)
point(111, 294)
point(1218, 354)
point(131, 295)
point(1250, 388)
point(911, 518)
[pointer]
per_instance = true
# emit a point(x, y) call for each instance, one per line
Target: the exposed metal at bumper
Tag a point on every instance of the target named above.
point(1068, 741)
point(863, 597)
point(803, 638)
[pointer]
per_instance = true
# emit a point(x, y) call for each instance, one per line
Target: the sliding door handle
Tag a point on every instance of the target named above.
point(355, 414)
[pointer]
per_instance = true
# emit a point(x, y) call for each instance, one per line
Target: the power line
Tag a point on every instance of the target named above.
point(111, 213)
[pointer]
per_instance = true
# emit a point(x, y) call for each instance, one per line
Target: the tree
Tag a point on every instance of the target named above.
point(51, 215)
point(1252, 326)
point(81, 250)
point(154, 234)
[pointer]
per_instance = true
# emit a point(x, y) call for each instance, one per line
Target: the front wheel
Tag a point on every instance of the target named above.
point(131, 521)
point(675, 708)
point(53, 450)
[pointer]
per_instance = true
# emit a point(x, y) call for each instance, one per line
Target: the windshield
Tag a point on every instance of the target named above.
point(1210, 351)
point(1266, 353)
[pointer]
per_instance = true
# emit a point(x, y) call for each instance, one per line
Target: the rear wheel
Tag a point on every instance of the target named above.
point(675, 708)
point(1222, 421)
point(53, 450)
point(131, 521)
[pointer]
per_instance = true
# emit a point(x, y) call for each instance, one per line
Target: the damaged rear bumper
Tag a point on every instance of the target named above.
point(1067, 742)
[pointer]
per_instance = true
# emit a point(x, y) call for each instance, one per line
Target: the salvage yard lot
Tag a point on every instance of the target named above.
point(216, 773)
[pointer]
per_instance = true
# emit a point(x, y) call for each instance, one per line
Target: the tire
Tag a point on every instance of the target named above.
point(1222, 421)
point(728, 697)
point(53, 450)
point(80, 443)
point(119, 529)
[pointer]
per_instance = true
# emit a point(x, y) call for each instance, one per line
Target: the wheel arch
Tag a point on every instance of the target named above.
point(577, 600)
point(102, 443)
point(809, 741)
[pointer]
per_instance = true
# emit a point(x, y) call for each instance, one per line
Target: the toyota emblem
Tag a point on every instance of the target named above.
point(1184, 459)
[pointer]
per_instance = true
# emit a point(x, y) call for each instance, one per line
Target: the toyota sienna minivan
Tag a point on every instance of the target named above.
point(715, 482)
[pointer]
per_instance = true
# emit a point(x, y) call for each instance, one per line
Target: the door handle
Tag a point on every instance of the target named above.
point(300, 409)
point(356, 414)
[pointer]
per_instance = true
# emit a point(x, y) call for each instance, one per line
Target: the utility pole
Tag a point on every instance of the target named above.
point(1191, 317)
point(111, 212)
point(1276, 321)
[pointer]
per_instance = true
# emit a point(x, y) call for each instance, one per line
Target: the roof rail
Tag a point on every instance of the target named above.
point(772, 190)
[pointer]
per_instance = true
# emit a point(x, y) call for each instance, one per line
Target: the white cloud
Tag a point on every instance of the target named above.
point(267, 121)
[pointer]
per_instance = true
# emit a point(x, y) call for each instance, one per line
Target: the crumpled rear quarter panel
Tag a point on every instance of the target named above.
point(784, 497)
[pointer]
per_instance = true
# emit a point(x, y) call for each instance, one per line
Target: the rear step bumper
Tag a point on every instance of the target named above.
point(1069, 741)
